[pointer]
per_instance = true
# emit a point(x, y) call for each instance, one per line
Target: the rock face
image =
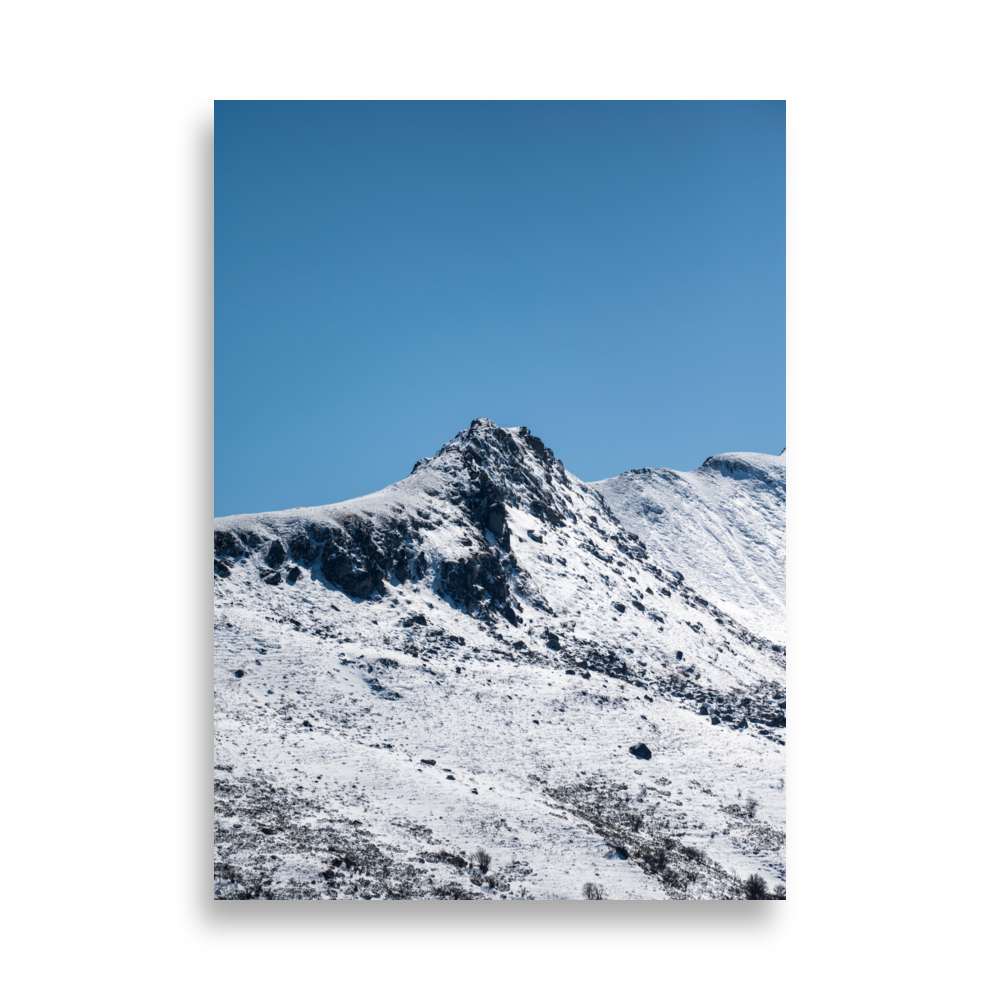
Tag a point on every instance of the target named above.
point(486, 472)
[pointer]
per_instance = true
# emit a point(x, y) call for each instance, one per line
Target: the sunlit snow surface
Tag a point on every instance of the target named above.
point(722, 526)
point(326, 704)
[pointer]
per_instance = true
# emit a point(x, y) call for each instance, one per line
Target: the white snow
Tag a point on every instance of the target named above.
point(722, 526)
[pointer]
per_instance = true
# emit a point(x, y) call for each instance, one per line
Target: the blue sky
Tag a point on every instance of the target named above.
point(610, 274)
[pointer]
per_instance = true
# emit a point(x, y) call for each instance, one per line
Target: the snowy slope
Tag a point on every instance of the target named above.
point(464, 659)
point(722, 526)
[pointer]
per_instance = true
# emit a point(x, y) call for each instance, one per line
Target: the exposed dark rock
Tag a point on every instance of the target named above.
point(239, 673)
point(520, 644)
point(715, 720)
point(293, 574)
point(496, 519)
point(641, 750)
point(679, 655)
point(703, 710)
point(221, 569)
point(620, 608)
point(303, 549)
point(639, 605)
point(474, 582)
point(508, 613)
point(414, 620)
point(429, 763)
point(251, 539)
point(450, 777)
point(270, 576)
point(552, 641)
point(227, 545)
point(275, 554)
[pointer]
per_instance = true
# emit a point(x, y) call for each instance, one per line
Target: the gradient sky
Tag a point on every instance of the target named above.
point(610, 274)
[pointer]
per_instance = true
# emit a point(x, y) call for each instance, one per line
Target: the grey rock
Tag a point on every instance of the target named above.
point(275, 554)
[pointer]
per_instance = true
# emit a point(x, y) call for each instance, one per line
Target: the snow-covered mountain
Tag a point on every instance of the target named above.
point(722, 526)
point(586, 681)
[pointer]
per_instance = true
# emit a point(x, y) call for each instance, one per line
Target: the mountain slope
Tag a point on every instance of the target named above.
point(722, 526)
point(493, 616)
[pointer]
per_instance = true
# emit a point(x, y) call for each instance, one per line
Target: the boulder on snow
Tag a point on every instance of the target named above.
point(275, 554)
point(641, 750)
point(429, 763)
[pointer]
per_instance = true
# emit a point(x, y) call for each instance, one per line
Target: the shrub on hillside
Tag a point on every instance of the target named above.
point(657, 859)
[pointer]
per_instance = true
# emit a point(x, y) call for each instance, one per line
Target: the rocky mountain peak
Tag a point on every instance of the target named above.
point(489, 465)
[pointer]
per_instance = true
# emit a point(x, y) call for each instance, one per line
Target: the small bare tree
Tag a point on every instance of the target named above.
point(755, 887)
point(751, 806)
point(591, 890)
point(482, 860)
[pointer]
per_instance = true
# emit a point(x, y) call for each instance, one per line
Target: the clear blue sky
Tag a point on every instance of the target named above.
point(610, 274)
